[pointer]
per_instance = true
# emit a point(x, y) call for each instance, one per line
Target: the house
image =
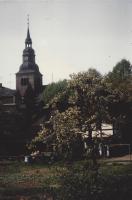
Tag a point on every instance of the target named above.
point(7, 98)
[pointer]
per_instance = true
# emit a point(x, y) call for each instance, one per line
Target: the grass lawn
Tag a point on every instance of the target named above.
point(37, 181)
point(31, 181)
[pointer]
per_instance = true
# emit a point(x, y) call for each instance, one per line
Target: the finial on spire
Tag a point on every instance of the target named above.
point(28, 20)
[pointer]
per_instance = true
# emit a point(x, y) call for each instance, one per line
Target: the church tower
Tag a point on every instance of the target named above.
point(28, 75)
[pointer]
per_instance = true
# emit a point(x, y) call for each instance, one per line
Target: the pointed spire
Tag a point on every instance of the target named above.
point(28, 41)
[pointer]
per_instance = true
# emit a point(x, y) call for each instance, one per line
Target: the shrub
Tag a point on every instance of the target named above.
point(85, 183)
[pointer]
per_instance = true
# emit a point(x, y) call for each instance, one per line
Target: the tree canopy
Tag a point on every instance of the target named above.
point(86, 101)
point(84, 110)
point(53, 89)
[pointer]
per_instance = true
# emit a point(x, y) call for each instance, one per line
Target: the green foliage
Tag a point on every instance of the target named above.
point(119, 84)
point(120, 77)
point(78, 109)
point(26, 181)
point(76, 184)
point(79, 180)
point(86, 101)
point(85, 183)
point(66, 127)
point(53, 89)
point(37, 142)
point(89, 95)
point(122, 70)
point(85, 111)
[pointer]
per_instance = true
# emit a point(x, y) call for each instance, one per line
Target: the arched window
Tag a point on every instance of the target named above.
point(24, 81)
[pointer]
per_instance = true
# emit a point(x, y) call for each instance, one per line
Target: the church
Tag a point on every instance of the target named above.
point(28, 76)
point(18, 106)
point(28, 80)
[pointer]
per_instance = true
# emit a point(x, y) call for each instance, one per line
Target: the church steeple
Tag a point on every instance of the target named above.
point(29, 74)
point(28, 41)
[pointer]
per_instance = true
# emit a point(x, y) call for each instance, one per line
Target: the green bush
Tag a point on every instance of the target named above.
point(85, 183)
point(77, 182)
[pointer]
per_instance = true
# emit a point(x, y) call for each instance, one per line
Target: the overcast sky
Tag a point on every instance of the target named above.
point(68, 36)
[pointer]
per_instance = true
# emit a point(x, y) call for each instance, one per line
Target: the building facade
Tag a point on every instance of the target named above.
point(28, 76)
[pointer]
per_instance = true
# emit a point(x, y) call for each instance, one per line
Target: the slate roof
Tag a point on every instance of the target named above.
point(4, 92)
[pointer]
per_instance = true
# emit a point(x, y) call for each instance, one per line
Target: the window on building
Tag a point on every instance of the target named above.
point(24, 81)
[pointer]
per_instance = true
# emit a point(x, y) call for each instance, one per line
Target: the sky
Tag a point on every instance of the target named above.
point(68, 36)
